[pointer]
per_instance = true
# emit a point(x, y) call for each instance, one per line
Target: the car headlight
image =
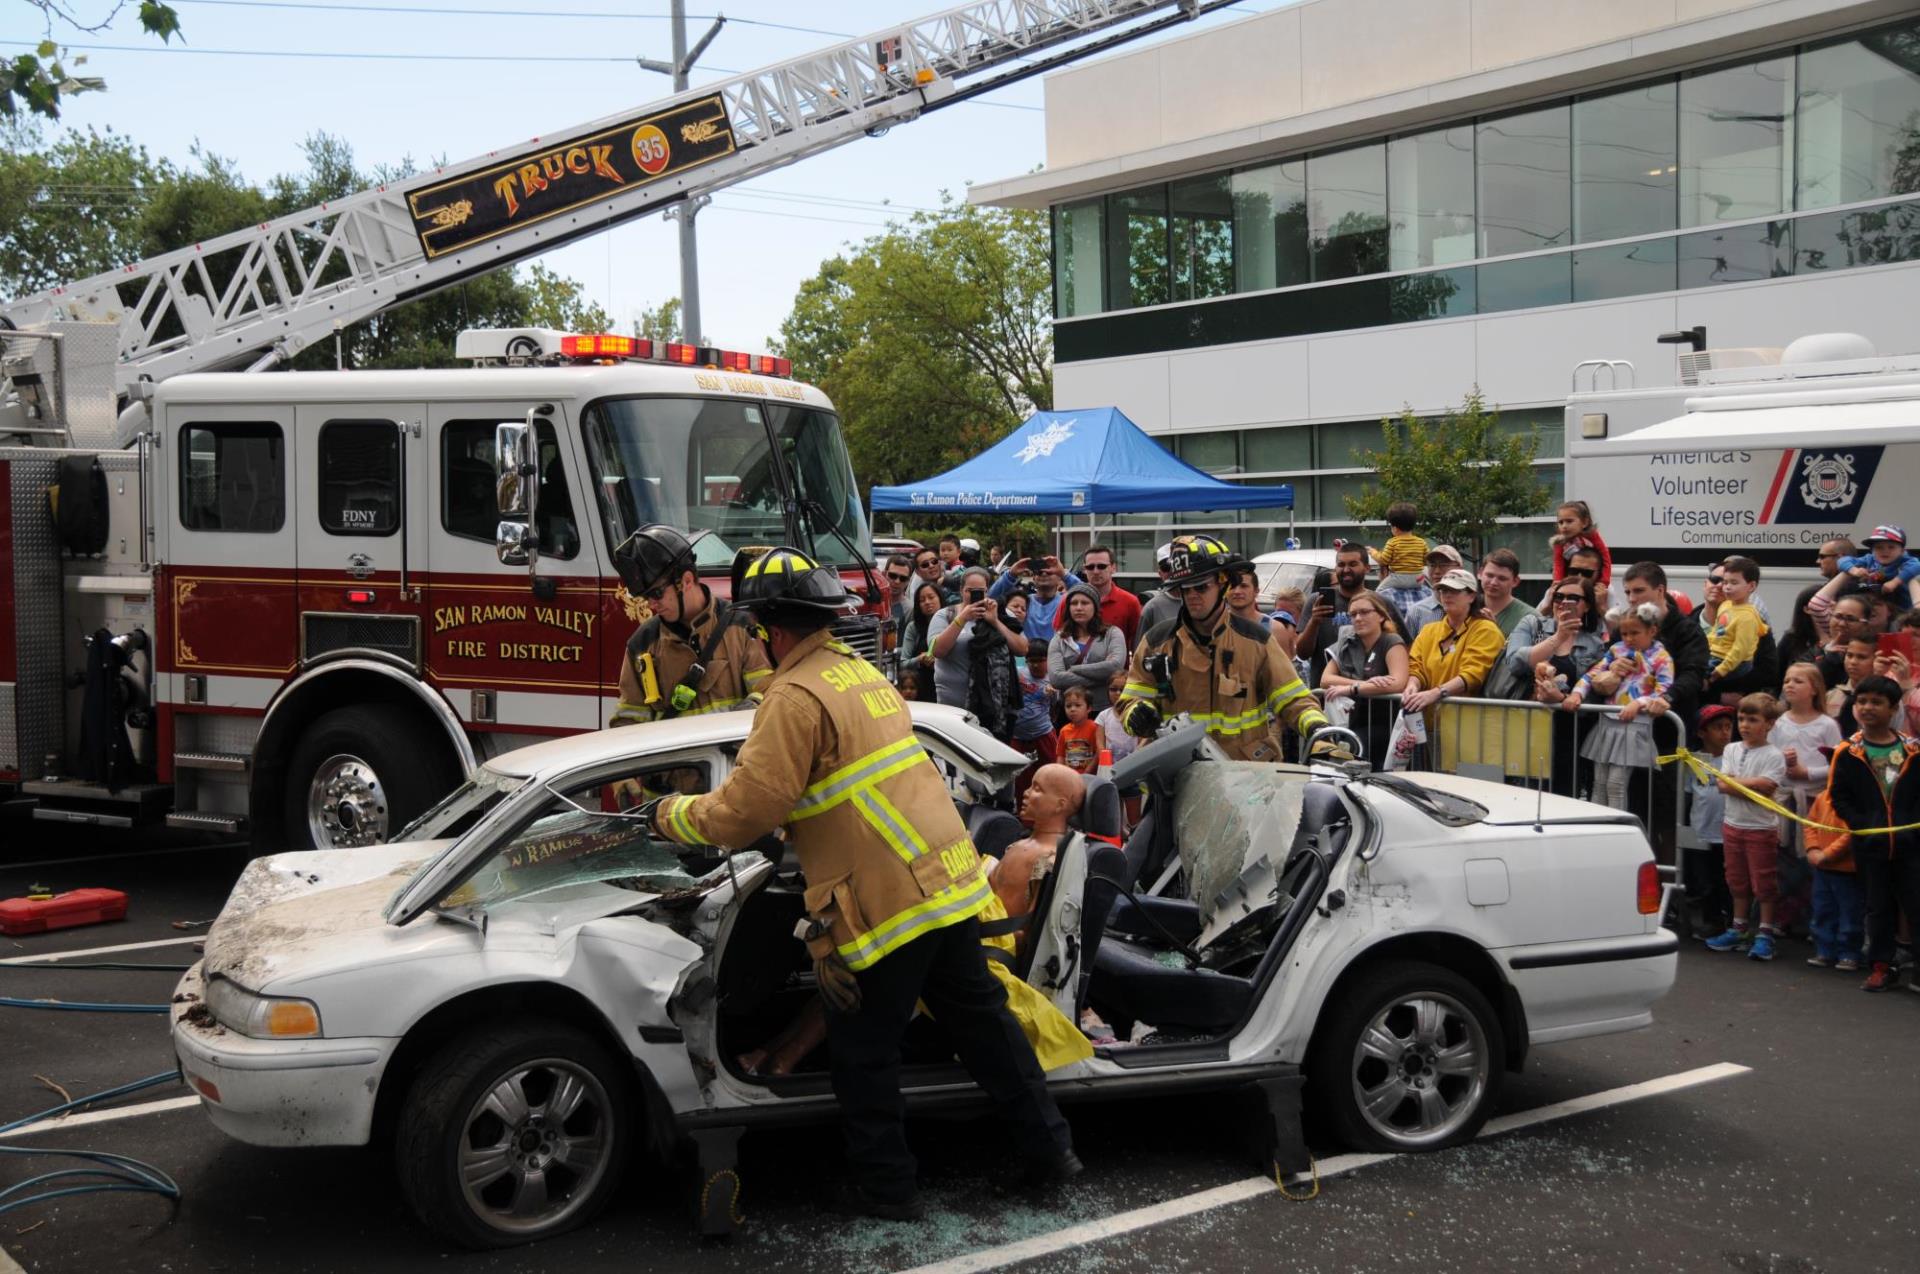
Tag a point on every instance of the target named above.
point(261, 1017)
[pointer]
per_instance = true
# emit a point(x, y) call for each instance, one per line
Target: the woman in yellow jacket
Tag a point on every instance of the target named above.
point(1454, 654)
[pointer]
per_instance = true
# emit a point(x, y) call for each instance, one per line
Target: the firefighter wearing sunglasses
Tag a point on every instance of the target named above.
point(694, 654)
point(1224, 672)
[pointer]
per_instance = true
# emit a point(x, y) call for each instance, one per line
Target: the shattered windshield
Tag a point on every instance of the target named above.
point(590, 834)
point(460, 809)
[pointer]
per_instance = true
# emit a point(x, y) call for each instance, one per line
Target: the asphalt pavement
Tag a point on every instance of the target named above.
point(1802, 1164)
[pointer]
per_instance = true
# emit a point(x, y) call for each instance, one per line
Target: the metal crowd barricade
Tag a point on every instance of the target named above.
point(1537, 746)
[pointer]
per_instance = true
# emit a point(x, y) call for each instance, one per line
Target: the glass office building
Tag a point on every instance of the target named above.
point(1638, 192)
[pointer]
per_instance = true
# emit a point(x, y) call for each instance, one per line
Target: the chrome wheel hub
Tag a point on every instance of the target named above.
point(1420, 1068)
point(535, 1145)
point(347, 804)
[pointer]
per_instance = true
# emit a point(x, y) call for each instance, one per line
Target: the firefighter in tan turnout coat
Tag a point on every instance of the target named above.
point(893, 883)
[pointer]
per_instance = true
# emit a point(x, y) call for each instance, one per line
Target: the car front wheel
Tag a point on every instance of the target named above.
point(1409, 1060)
point(514, 1134)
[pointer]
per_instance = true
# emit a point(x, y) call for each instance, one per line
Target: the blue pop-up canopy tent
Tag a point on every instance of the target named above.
point(1089, 461)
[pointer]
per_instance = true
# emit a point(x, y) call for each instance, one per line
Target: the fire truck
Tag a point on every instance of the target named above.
point(300, 606)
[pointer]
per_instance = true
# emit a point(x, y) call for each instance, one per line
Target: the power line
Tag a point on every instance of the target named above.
point(506, 13)
point(370, 55)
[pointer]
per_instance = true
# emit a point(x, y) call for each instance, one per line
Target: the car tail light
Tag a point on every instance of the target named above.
point(1647, 888)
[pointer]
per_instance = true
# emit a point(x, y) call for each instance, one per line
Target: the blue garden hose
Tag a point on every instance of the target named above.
point(115, 1174)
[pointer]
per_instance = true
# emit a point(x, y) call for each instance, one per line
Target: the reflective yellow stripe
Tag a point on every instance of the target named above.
point(893, 827)
point(950, 906)
point(757, 674)
point(1138, 690)
point(870, 769)
point(711, 705)
point(679, 826)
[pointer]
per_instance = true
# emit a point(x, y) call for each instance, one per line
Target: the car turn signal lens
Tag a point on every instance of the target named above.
point(1647, 890)
point(291, 1019)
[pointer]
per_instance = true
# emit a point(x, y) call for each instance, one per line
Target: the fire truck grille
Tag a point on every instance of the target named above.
point(862, 632)
point(323, 634)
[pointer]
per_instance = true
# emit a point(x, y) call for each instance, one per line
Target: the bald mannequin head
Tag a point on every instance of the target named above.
point(1054, 796)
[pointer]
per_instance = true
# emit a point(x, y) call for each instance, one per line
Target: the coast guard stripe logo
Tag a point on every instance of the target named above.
point(1820, 486)
point(1829, 481)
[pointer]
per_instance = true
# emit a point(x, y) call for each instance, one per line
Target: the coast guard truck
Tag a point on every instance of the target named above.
point(301, 605)
point(1764, 452)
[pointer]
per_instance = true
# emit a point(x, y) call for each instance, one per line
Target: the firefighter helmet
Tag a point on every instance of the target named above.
point(783, 578)
point(653, 557)
point(1194, 559)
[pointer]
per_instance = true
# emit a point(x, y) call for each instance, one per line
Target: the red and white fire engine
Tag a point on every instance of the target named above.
point(302, 604)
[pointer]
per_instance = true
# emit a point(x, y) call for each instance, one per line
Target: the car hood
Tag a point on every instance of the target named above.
point(288, 909)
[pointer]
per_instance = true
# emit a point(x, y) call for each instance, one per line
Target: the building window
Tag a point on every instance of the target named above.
point(1215, 453)
point(1076, 259)
point(1738, 254)
point(1857, 119)
point(1623, 269)
point(1526, 283)
point(1286, 450)
point(1736, 130)
point(1347, 212)
point(1435, 294)
point(1202, 226)
point(1430, 198)
point(233, 477)
point(1525, 182)
point(1137, 248)
point(1344, 445)
point(1270, 226)
point(1625, 171)
point(1866, 236)
point(359, 477)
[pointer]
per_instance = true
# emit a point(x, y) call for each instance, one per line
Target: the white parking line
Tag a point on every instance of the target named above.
point(94, 951)
point(1073, 1236)
point(103, 1116)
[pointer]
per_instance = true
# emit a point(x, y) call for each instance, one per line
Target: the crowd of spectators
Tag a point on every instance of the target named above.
point(1810, 716)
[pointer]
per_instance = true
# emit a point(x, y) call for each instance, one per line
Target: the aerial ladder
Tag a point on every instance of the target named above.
point(255, 298)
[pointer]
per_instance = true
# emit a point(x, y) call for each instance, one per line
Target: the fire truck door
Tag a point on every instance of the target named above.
point(513, 650)
point(361, 538)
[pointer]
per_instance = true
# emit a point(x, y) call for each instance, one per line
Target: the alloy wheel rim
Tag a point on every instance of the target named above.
point(1420, 1068)
point(346, 804)
point(534, 1146)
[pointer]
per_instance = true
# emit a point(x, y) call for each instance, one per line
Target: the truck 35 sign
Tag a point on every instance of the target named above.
point(452, 215)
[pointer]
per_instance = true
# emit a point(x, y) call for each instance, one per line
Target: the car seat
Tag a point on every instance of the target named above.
point(1129, 980)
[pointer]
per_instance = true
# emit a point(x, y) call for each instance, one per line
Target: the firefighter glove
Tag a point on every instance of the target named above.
point(838, 985)
point(1327, 743)
point(1142, 720)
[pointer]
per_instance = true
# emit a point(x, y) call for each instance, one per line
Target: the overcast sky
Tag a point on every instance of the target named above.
point(757, 242)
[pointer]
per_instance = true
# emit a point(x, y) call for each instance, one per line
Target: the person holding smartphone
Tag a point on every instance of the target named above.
point(1048, 580)
point(955, 630)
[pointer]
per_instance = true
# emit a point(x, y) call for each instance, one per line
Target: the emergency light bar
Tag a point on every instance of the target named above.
point(536, 346)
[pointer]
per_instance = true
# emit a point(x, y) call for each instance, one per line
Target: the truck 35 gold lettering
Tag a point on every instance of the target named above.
point(552, 168)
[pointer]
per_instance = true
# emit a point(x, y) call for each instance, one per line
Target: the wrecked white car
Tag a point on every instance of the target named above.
point(527, 989)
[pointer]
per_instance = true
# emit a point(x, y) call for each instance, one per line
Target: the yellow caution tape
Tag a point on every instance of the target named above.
point(1707, 774)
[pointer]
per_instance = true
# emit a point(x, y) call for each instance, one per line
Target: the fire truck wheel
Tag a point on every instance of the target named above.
point(360, 774)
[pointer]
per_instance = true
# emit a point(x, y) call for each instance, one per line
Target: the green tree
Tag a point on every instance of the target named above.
point(1459, 470)
point(72, 209)
point(38, 80)
point(933, 339)
point(660, 323)
point(555, 301)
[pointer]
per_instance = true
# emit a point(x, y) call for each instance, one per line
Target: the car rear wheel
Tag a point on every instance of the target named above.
point(514, 1134)
point(360, 774)
point(1411, 1059)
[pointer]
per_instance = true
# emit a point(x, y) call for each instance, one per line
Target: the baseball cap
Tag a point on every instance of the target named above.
point(1897, 535)
point(1446, 552)
point(971, 545)
point(1714, 712)
point(1163, 554)
point(1460, 580)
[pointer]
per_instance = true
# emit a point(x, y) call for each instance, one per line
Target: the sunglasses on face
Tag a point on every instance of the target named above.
point(898, 579)
point(1099, 566)
point(1716, 579)
point(1584, 572)
point(1354, 613)
point(655, 594)
point(1568, 599)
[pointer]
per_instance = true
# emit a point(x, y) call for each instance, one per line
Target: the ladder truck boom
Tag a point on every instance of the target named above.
point(259, 296)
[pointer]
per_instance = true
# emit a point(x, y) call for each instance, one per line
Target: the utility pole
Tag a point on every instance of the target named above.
point(685, 211)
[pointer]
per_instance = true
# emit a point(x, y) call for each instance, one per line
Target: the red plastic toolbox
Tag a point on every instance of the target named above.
point(62, 911)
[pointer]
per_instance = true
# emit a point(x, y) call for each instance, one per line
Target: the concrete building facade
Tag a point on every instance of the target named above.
point(1273, 233)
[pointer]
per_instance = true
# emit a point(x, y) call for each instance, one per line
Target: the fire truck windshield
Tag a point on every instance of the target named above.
point(726, 466)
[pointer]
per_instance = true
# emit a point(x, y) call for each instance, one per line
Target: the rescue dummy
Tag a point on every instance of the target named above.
point(894, 887)
point(1225, 672)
